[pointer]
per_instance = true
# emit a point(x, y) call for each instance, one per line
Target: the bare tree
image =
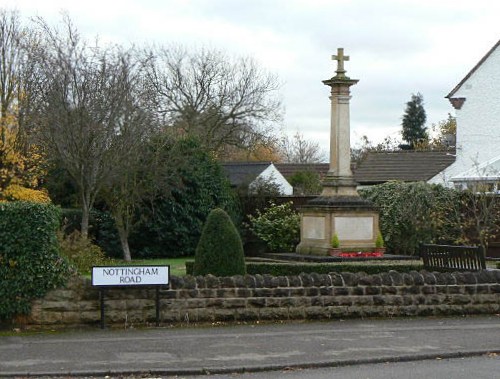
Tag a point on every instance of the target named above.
point(300, 150)
point(133, 172)
point(18, 43)
point(10, 50)
point(10, 34)
point(86, 108)
point(17, 154)
point(482, 213)
point(364, 146)
point(224, 102)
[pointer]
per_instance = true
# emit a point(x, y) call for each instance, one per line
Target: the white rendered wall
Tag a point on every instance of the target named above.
point(272, 172)
point(478, 121)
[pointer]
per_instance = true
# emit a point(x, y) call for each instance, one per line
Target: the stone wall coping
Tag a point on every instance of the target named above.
point(344, 279)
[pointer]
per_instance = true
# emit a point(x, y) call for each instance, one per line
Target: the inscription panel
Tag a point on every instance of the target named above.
point(313, 227)
point(354, 228)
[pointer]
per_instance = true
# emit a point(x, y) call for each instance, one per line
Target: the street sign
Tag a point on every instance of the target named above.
point(130, 275)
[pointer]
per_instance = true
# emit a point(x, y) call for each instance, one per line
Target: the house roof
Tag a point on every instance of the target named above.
point(289, 169)
point(471, 72)
point(243, 172)
point(408, 166)
point(377, 167)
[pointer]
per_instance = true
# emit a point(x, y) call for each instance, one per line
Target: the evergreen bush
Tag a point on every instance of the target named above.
point(414, 213)
point(30, 263)
point(278, 226)
point(172, 222)
point(219, 251)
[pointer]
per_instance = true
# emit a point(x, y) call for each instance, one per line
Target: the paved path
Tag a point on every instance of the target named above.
point(481, 367)
point(197, 350)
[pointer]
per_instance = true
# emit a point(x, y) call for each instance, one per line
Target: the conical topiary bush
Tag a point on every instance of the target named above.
point(220, 250)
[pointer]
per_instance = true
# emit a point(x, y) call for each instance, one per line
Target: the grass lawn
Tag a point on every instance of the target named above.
point(177, 265)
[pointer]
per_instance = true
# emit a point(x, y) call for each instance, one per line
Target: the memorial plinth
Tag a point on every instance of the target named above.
point(339, 209)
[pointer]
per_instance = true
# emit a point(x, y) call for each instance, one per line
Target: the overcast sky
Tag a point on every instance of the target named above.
point(396, 47)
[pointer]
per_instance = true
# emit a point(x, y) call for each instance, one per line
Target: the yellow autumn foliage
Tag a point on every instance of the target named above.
point(21, 166)
point(11, 161)
point(16, 192)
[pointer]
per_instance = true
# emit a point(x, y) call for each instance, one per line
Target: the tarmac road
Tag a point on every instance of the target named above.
point(247, 348)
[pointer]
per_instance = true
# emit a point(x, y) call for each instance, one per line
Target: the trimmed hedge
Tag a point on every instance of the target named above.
point(289, 269)
point(30, 263)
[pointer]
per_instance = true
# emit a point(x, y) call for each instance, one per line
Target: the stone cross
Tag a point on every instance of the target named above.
point(340, 58)
point(339, 209)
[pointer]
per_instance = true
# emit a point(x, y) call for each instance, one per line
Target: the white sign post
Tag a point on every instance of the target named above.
point(119, 276)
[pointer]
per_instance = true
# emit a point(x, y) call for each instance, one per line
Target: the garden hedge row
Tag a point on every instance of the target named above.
point(30, 263)
point(290, 269)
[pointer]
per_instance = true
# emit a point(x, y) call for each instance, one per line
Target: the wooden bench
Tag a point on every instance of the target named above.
point(453, 258)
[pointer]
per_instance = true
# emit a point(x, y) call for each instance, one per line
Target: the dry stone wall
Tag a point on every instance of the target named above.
point(264, 297)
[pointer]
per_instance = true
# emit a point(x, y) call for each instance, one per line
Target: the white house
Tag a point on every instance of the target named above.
point(252, 174)
point(477, 102)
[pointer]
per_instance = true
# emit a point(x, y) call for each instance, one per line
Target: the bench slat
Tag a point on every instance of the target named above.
point(453, 258)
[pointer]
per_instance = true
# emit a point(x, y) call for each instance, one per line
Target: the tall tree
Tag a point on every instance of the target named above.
point(86, 107)
point(11, 57)
point(20, 159)
point(148, 170)
point(132, 175)
point(206, 94)
point(414, 131)
point(299, 150)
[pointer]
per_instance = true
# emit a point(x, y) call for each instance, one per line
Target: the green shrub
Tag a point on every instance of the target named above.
point(379, 241)
point(306, 183)
point(278, 226)
point(219, 251)
point(335, 242)
point(81, 252)
point(30, 263)
point(414, 213)
point(172, 222)
point(102, 229)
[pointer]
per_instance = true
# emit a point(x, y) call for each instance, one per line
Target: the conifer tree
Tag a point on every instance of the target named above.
point(220, 250)
point(414, 130)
